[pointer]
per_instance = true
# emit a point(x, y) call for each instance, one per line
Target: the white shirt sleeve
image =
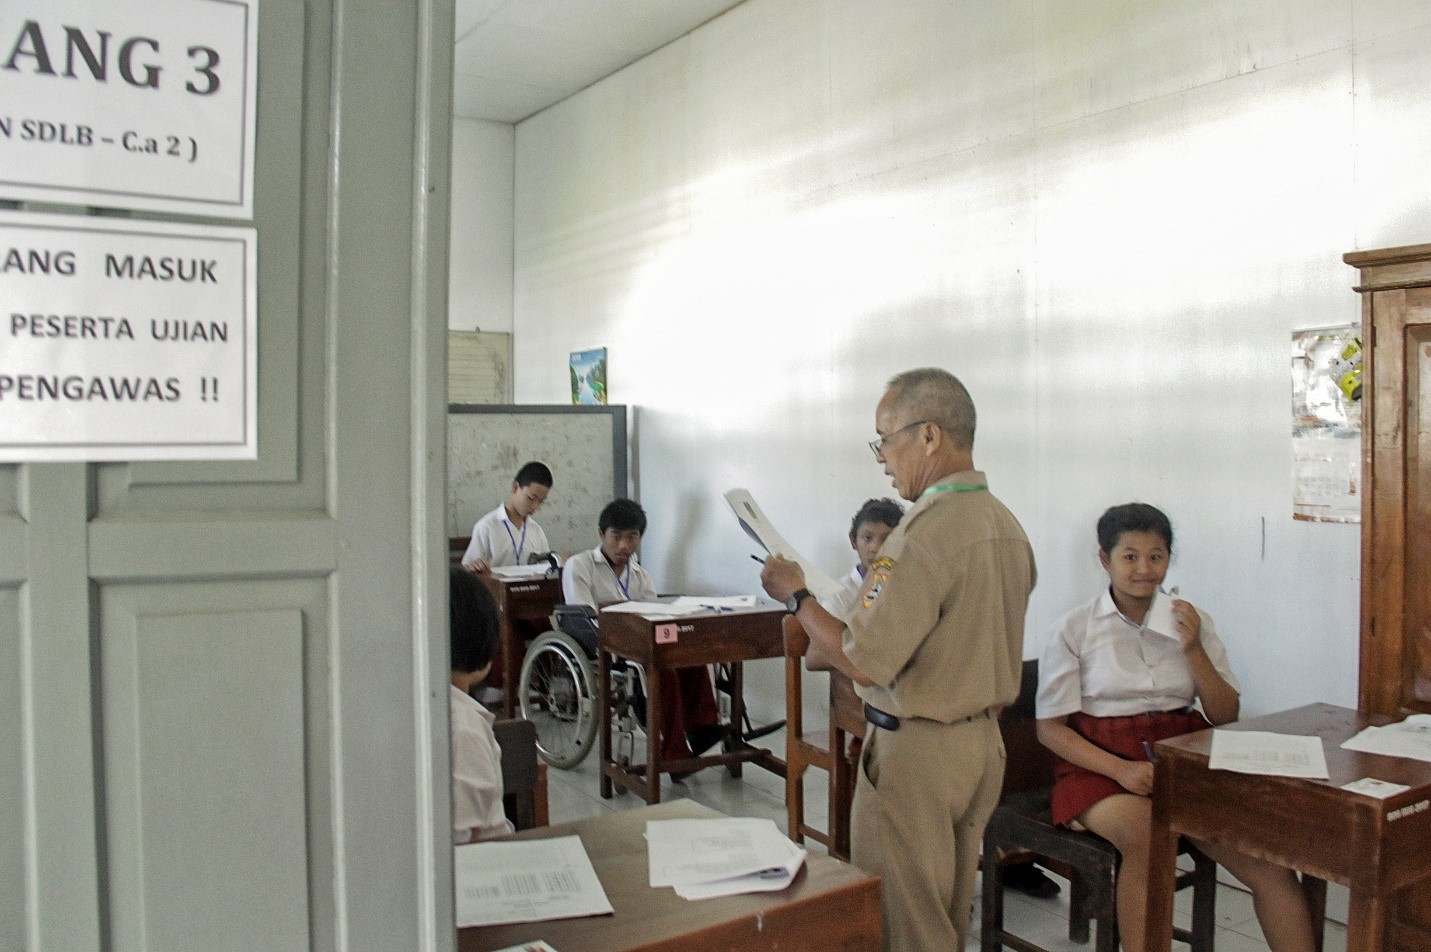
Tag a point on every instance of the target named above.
point(476, 773)
point(576, 587)
point(1060, 670)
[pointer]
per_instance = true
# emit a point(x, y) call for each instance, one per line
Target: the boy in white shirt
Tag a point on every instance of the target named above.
point(508, 535)
point(609, 573)
point(476, 758)
point(873, 523)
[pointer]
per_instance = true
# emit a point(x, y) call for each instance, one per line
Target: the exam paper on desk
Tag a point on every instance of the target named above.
point(1263, 752)
point(759, 528)
point(513, 572)
point(720, 857)
point(1410, 738)
point(526, 881)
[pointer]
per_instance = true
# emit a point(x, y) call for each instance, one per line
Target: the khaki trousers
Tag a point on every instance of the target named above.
point(924, 795)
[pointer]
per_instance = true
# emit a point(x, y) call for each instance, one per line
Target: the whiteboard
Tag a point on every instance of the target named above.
point(585, 447)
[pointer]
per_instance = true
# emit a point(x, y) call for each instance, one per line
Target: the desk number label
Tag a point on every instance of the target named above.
point(1408, 810)
point(666, 634)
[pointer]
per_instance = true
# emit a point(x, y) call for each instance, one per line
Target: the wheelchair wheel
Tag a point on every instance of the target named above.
point(558, 694)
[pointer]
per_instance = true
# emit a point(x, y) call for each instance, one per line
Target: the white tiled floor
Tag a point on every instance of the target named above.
point(575, 794)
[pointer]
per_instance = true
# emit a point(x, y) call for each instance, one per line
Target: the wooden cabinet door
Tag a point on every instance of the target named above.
point(1396, 513)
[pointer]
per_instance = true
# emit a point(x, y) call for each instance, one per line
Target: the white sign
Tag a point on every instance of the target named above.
point(140, 104)
point(126, 340)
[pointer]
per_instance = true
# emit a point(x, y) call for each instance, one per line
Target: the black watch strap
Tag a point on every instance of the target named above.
point(798, 596)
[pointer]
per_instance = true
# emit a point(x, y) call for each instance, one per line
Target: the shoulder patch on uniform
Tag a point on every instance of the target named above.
point(882, 563)
point(878, 578)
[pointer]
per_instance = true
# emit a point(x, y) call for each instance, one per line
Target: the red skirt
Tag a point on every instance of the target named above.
point(1075, 789)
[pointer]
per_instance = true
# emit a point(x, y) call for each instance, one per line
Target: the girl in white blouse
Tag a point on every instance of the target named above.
point(1110, 688)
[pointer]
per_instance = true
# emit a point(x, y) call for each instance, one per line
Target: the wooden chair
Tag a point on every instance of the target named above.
point(457, 548)
point(1022, 829)
point(524, 777)
point(803, 749)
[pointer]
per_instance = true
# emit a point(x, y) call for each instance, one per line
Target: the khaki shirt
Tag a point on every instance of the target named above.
point(940, 623)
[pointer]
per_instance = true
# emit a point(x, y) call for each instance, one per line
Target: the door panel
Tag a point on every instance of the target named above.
point(12, 790)
point(222, 689)
point(204, 743)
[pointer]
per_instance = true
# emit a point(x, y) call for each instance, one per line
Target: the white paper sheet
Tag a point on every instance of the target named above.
point(526, 881)
point(1159, 619)
point(536, 945)
point(767, 880)
point(1263, 752)
point(522, 571)
point(1409, 738)
point(1381, 789)
point(654, 609)
point(759, 528)
point(695, 852)
point(717, 602)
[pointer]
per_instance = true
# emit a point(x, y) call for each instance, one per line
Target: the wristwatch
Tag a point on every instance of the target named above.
point(799, 595)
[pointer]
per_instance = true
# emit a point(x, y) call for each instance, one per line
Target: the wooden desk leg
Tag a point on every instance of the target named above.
point(1162, 868)
point(603, 705)
point(1366, 923)
point(840, 776)
point(654, 739)
point(737, 715)
point(1315, 891)
point(512, 649)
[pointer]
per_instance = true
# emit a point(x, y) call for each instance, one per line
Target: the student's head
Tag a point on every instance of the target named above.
point(472, 618)
point(1135, 542)
point(530, 488)
point(622, 523)
point(871, 526)
point(926, 426)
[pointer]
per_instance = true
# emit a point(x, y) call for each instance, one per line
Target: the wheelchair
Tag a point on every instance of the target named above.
point(557, 691)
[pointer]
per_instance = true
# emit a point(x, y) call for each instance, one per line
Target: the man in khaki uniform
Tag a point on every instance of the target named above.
point(936, 647)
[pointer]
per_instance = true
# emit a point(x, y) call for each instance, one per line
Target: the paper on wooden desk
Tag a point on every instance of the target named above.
point(1263, 752)
point(653, 609)
point(759, 528)
point(510, 572)
point(526, 881)
point(1409, 738)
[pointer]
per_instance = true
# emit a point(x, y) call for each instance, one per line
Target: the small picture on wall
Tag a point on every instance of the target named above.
point(588, 377)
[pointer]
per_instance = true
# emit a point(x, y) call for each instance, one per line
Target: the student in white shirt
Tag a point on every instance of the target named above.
point(508, 535)
point(609, 573)
point(476, 757)
point(1109, 688)
point(871, 525)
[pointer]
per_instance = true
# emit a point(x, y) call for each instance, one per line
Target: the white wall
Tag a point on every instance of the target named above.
point(1106, 218)
point(479, 281)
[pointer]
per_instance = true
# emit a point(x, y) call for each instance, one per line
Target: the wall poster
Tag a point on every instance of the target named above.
point(138, 104)
point(1326, 424)
point(126, 340)
point(588, 377)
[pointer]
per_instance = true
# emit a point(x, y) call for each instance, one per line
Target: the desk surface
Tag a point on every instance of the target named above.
point(831, 905)
point(1374, 846)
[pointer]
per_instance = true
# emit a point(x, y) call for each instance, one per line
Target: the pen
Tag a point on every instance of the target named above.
point(758, 559)
point(1148, 749)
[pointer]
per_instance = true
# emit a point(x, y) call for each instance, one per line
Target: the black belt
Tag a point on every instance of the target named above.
point(889, 722)
point(881, 719)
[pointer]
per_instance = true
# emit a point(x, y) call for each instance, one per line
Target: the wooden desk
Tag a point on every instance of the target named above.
point(847, 729)
point(829, 906)
point(524, 608)
point(727, 637)
point(1375, 847)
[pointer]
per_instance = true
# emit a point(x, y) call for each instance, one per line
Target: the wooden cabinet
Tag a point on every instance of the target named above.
point(1395, 676)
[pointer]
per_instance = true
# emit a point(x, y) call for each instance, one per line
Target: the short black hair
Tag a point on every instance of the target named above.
point(1132, 517)
point(623, 515)
point(884, 510)
point(472, 617)
point(534, 472)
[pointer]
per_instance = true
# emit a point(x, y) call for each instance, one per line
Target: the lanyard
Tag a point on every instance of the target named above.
point(625, 586)
point(517, 547)
point(955, 488)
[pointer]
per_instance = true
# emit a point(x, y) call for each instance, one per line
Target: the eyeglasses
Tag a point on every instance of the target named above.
point(877, 446)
